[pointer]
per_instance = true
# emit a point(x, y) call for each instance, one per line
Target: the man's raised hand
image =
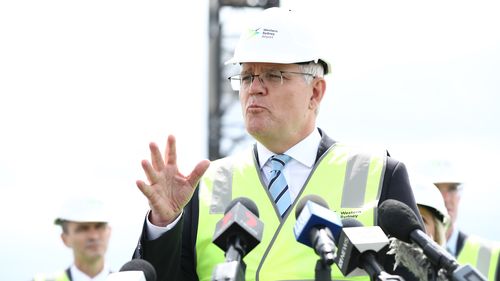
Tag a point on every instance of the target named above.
point(168, 190)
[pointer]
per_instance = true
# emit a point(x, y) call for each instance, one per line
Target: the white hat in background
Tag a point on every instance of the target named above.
point(443, 171)
point(428, 195)
point(83, 209)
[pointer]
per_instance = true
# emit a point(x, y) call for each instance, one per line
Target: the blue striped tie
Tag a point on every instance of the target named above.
point(277, 184)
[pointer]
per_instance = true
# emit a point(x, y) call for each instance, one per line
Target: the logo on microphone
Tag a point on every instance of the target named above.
point(343, 251)
point(251, 221)
point(227, 218)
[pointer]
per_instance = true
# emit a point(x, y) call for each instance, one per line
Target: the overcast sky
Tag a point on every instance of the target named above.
point(85, 86)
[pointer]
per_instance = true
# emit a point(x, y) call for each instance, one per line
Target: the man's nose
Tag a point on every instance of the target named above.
point(257, 85)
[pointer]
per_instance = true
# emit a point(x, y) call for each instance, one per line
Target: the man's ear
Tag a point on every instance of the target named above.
point(319, 88)
point(66, 240)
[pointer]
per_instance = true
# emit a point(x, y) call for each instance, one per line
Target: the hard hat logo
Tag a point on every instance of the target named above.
point(252, 33)
point(269, 33)
point(264, 33)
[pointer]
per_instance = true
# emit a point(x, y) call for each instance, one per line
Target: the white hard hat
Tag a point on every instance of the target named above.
point(278, 35)
point(428, 195)
point(83, 209)
point(448, 180)
point(443, 171)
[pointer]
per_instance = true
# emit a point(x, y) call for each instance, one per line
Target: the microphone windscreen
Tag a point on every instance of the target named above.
point(249, 204)
point(241, 219)
point(351, 222)
point(312, 197)
point(398, 219)
point(313, 213)
point(141, 265)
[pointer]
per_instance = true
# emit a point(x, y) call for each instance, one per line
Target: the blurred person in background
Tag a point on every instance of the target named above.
point(436, 220)
point(472, 249)
point(432, 209)
point(85, 230)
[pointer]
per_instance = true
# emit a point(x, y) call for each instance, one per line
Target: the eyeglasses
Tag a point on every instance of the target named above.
point(271, 78)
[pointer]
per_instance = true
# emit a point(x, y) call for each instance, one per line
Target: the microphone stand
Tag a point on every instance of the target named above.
point(233, 269)
point(229, 271)
point(375, 272)
point(322, 271)
point(324, 247)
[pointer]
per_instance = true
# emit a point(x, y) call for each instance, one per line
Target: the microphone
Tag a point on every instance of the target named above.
point(398, 220)
point(237, 233)
point(134, 270)
point(358, 247)
point(240, 230)
point(317, 227)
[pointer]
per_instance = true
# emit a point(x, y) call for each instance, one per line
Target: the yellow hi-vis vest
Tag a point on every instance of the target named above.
point(350, 182)
point(60, 276)
point(481, 254)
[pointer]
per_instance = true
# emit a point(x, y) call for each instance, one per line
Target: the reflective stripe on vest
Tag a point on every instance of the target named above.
point(481, 255)
point(349, 181)
point(60, 276)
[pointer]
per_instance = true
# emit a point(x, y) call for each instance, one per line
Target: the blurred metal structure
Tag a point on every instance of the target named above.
point(226, 132)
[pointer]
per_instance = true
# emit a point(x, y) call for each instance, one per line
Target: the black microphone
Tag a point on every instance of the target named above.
point(134, 270)
point(237, 233)
point(317, 226)
point(398, 219)
point(357, 250)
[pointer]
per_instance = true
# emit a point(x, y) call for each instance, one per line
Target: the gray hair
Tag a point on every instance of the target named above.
point(313, 68)
point(316, 69)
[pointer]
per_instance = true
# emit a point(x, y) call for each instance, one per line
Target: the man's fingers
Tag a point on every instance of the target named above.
point(149, 171)
point(170, 151)
point(198, 171)
point(144, 188)
point(156, 158)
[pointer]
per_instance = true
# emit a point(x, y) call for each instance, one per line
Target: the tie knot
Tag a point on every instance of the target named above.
point(278, 161)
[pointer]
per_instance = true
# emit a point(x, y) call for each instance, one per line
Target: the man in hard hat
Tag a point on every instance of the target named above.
point(471, 249)
point(85, 229)
point(281, 85)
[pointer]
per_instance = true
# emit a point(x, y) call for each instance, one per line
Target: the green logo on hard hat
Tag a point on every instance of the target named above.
point(252, 32)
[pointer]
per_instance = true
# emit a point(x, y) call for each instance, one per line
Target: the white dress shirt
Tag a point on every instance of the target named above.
point(296, 172)
point(78, 275)
point(451, 243)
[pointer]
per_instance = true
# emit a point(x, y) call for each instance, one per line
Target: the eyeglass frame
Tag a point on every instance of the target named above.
point(252, 78)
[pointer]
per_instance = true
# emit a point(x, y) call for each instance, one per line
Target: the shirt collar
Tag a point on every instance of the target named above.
point(77, 274)
point(304, 152)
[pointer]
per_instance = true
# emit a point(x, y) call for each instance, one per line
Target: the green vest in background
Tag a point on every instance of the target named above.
point(60, 276)
point(482, 255)
point(349, 181)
